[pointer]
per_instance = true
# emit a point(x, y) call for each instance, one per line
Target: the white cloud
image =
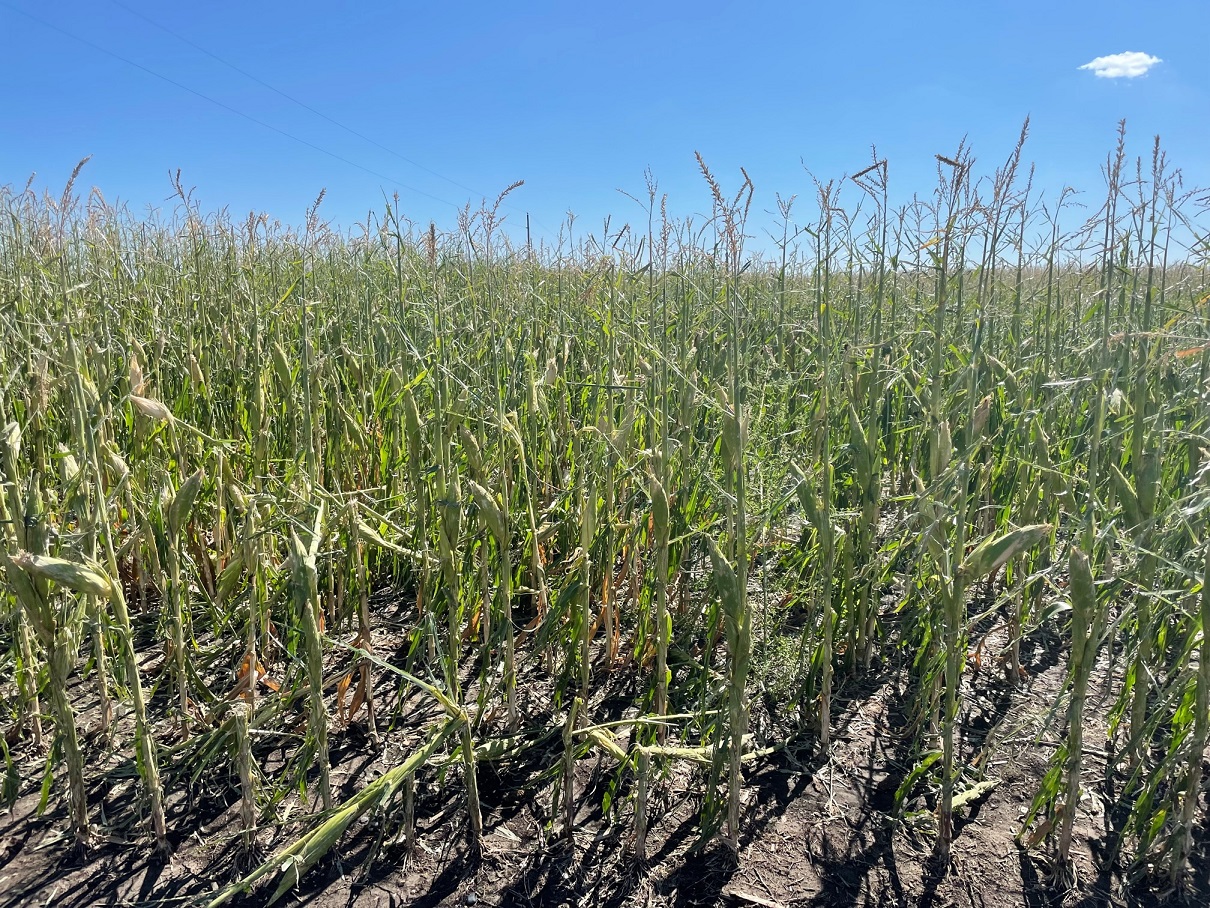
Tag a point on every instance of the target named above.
point(1128, 65)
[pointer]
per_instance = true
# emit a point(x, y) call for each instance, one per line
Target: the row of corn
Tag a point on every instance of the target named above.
point(736, 481)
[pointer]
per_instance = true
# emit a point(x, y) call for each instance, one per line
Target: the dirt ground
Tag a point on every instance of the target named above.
point(819, 830)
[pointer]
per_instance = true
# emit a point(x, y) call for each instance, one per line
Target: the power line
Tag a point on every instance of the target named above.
point(227, 107)
point(292, 99)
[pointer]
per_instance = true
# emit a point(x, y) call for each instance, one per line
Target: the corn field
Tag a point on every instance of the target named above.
point(267, 493)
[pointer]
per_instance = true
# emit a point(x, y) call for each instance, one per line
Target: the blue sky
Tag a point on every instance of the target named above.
point(578, 99)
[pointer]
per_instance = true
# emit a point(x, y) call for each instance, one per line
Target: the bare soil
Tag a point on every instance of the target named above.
point(820, 829)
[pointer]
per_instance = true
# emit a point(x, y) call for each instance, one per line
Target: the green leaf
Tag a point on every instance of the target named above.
point(917, 773)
